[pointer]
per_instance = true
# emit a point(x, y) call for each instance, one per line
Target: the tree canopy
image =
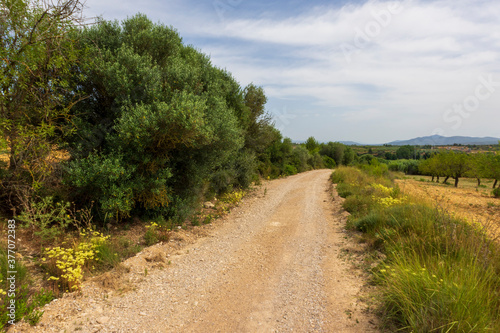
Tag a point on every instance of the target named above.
point(39, 62)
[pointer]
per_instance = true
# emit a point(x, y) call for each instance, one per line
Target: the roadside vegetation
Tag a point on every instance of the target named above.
point(439, 273)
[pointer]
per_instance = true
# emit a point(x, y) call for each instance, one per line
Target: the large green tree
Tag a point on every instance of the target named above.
point(258, 125)
point(312, 145)
point(406, 152)
point(490, 167)
point(334, 150)
point(39, 62)
point(432, 167)
point(162, 119)
point(450, 165)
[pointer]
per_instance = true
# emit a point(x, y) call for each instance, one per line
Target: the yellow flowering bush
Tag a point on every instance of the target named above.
point(2, 292)
point(155, 233)
point(385, 196)
point(390, 201)
point(383, 189)
point(233, 197)
point(66, 265)
point(229, 200)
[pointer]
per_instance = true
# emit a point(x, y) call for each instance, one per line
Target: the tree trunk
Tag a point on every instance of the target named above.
point(12, 156)
point(478, 182)
point(495, 183)
point(437, 179)
point(432, 179)
point(446, 179)
point(456, 182)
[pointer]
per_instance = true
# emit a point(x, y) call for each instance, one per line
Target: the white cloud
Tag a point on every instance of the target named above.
point(413, 62)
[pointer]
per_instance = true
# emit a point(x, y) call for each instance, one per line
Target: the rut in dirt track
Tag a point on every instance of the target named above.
point(272, 266)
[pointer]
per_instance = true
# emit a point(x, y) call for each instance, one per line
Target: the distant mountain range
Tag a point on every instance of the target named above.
point(438, 140)
point(433, 140)
point(351, 143)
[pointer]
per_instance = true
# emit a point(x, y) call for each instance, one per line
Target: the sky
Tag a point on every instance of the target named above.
point(363, 71)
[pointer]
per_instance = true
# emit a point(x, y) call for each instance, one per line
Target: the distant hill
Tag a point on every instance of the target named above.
point(438, 140)
point(351, 143)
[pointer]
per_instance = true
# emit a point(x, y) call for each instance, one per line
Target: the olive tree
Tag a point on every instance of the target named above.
point(163, 120)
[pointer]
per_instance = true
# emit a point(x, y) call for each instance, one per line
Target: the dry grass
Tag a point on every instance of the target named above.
point(475, 204)
point(57, 155)
point(441, 274)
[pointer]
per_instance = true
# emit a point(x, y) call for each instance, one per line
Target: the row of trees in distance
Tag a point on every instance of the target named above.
point(456, 165)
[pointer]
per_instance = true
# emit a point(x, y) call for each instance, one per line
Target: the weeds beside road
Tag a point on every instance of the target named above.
point(440, 274)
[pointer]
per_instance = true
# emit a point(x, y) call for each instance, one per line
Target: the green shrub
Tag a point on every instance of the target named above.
point(222, 181)
point(409, 167)
point(337, 177)
point(344, 190)
point(316, 161)
point(329, 162)
point(290, 170)
point(27, 304)
point(106, 179)
point(47, 219)
point(245, 167)
point(357, 205)
point(156, 233)
point(369, 222)
point(376, 169)
point(300, 159)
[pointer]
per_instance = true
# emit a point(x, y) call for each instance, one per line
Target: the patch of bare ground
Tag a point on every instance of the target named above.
point(276, 263)
point(467, 202)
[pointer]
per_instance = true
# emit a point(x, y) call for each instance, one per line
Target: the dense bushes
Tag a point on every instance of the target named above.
point(409, 167)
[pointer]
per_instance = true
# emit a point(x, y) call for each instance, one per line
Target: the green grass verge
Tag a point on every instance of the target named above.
point(26, 304)
point(441, 274)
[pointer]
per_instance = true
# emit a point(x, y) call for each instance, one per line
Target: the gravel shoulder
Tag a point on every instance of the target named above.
point(273, 264)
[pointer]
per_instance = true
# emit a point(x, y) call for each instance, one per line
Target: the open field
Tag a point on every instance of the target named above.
point(476, 204)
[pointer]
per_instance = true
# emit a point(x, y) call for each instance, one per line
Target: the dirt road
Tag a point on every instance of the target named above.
point(271, 265)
